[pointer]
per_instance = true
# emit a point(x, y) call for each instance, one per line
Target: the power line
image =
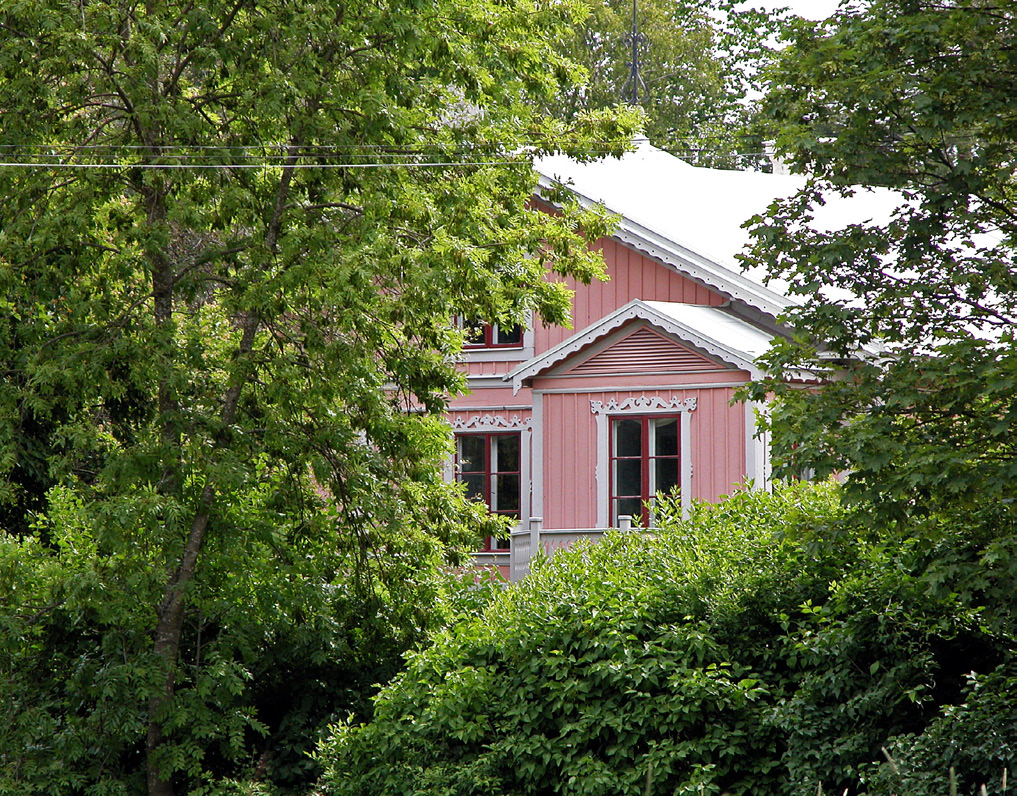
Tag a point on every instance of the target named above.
point(244, 166)
point(249, 152)
point(185, 156)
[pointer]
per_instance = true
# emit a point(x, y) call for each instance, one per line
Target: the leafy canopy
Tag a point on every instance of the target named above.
point(914, 96)
point(699, 65)
point(233, 242)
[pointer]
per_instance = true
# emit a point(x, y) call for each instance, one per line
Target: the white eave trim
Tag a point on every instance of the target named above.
point(634, 310)
point(695, 265)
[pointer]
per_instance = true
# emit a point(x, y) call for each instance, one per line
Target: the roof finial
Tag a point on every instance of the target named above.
point(636, 40)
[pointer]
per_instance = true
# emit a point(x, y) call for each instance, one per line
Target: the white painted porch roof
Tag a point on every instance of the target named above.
point(691, 218)
point(711, 329)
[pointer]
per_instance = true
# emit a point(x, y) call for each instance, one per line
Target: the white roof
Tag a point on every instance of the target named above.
point(727, 333)
point(711, 329)
point(692, 217)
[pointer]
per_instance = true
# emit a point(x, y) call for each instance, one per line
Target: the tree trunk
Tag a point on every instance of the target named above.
point(169, 627)
point(167, 640)
point(171, 611)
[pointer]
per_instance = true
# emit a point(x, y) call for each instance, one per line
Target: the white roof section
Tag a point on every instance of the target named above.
point(691, 217)
point(711, 329)
point(739, 340)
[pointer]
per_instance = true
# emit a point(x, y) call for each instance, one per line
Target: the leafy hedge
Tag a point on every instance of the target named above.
point(766, 645)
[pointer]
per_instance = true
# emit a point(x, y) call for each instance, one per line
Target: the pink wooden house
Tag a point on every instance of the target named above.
point(571, 431)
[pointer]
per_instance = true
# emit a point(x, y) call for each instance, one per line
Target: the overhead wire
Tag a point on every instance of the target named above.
point(318, 156)
point(228, 157)
point(242, 166)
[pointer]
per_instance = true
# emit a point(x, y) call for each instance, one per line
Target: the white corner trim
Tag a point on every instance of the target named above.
point(757, 447)
point(488, 422)
point(641, 405)
point(537, 457)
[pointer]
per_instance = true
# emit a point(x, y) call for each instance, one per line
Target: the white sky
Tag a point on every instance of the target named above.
point(810, 9)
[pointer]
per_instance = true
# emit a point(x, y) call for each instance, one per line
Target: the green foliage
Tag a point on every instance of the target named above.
point(966, 746)
point(914, 96)
point(278, 639)
point(915, 386)
point(232, 247)
point(768, 644)
point(698, 63)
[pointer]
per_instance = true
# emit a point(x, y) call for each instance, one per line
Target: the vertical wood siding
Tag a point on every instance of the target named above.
point(717, 446)
point(570, 459)
point(633, 275)
point(495, 399)
point(716, 431)
point(496, 368)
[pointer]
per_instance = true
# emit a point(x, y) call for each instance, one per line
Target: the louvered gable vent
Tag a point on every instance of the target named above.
point(644, 351)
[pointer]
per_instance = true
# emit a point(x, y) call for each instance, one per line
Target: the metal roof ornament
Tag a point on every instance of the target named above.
point(636, 40)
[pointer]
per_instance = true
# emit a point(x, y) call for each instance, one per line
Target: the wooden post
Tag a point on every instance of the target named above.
point(536, 525)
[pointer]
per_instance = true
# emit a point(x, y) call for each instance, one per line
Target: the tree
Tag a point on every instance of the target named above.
point(233, 241)
point(698, 64)
point(918, 370)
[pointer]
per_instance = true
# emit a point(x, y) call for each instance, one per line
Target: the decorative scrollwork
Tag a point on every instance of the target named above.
point(644, 403)
point(484, 422)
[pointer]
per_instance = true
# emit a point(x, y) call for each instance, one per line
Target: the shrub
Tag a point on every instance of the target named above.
point(769, 644)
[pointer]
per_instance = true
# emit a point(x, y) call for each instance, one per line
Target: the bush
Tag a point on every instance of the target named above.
point(769, 644)
point(273, 651)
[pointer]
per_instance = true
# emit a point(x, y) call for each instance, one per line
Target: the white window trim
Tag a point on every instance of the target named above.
point(642, 405)
point(494, 424)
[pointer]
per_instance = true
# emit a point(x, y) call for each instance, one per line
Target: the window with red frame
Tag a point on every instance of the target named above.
point(491, 335)
point(489, 466)
point(645, 460)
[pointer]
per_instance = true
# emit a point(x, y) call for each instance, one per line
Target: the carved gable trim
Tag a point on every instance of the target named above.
point(489, 423)
point(643, 404)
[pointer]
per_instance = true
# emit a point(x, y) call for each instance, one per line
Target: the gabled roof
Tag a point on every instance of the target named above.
point(711, 329)
point(691, 218)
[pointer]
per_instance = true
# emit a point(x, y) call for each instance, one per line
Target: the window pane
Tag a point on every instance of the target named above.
point(628, 478)
point(498, 544)
point(631, 506)
point(474, 485)
point(475, 333)
point(471, 454)
point(505, 494)
point(665, 437)
point(511, 336)
point(505, 451)
point(628, 438)
point(665, 473)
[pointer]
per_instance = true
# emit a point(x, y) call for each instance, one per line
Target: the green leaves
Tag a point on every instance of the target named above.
point(607, 661)
point(767, 643)
point(916, 385)
point(697, 63)
point(232, 248)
